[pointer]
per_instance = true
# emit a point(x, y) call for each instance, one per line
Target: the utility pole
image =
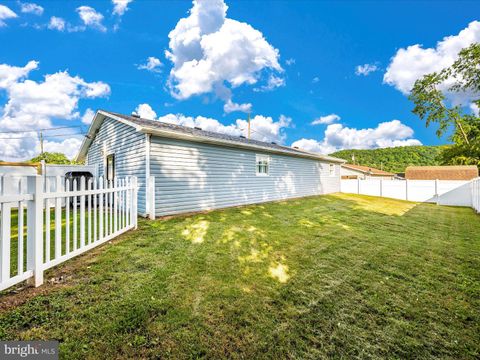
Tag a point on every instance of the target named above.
point(249, 125)
point(41, 142)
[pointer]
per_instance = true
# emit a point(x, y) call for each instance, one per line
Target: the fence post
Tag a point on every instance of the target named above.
point(5, 243)
point(135, 202)
point(476, 197)
point(358, 185)
point(58, 219)
point(477, 194)
point(115, 205)
point(151, 197)
point(381, 187)
point(82, 212)
point(35, 229)
point(436, 192)
point(406, 189)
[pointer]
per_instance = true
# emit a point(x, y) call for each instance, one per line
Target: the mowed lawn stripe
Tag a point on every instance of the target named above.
point(328, 276)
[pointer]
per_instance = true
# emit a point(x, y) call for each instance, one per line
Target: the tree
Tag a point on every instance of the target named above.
point(431, 96)
point(52, 158)
point(394, 159)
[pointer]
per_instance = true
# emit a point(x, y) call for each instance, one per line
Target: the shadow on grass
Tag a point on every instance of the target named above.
point(338, 275)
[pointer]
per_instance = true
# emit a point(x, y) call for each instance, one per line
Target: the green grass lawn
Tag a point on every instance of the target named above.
point(330, 276)
point(92, 232)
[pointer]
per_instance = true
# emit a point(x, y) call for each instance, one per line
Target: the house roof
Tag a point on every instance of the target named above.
point(454, 172)
point(159, 128)
point(367, 170)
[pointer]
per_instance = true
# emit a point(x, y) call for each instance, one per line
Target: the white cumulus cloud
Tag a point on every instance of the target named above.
point(69, 147)
point(120, 6)
point(263, 128)
point(230, 106)
point(411, 63)
point(91, 18)
point(87, 117)
point(328, 119)
point(273, 82)
point(337, 137)
point(31, 8)
point(56, 23)
point(153, 64)
point(6, 13)
point(290, 61)
point(207, 124)
point(11, 74)
point(210, 52)
point(365, 69)
point(145, 111)
point(31, 105)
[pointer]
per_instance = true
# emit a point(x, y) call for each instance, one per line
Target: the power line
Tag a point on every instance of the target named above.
point(37, 130)
point(36, 135)
point(60, 135)
point(270, 137)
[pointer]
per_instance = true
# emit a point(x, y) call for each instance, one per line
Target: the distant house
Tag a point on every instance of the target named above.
point(349, 171)
point(198, 170)
point(456, 172)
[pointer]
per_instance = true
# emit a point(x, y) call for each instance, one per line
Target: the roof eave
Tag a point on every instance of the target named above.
point(354, 169)
point(202, 139)
point(367, 172)
point(100, 116)
point(95, 125)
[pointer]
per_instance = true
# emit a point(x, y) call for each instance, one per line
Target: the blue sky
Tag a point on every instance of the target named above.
point(301, 69)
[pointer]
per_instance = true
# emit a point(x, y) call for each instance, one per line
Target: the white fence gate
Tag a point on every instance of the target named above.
point(442, 192)
point(43, 225)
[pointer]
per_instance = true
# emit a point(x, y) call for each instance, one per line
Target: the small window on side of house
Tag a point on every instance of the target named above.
point(110, 167)
point(331, 169)
point(262, 165)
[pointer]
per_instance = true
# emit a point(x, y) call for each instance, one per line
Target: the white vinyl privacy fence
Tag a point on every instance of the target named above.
point(476, 194)
point(442, 192)
point(45, 222)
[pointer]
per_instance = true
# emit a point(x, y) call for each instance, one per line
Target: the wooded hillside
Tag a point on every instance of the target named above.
point(394, 159)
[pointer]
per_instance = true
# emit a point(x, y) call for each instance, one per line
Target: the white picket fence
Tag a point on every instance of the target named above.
point(45, 224)
point(442, 192)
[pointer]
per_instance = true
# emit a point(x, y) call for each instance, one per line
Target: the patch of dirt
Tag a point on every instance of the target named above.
point(63, 276)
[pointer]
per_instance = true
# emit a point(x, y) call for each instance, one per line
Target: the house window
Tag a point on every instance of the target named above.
point(331, 169)
point(263, 165)
point(110, 167)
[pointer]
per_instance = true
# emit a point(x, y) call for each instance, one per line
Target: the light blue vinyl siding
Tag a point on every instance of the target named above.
point(193, 176)
point(128, 145)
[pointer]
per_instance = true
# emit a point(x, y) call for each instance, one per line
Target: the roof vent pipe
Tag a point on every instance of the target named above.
point(198, 128)
point(135, 115)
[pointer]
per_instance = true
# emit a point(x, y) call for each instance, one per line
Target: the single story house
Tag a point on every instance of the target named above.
point(455, 172)
point(349, 171)
point(197, 170)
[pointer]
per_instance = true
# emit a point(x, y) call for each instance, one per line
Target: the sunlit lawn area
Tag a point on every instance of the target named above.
point(330, 276)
